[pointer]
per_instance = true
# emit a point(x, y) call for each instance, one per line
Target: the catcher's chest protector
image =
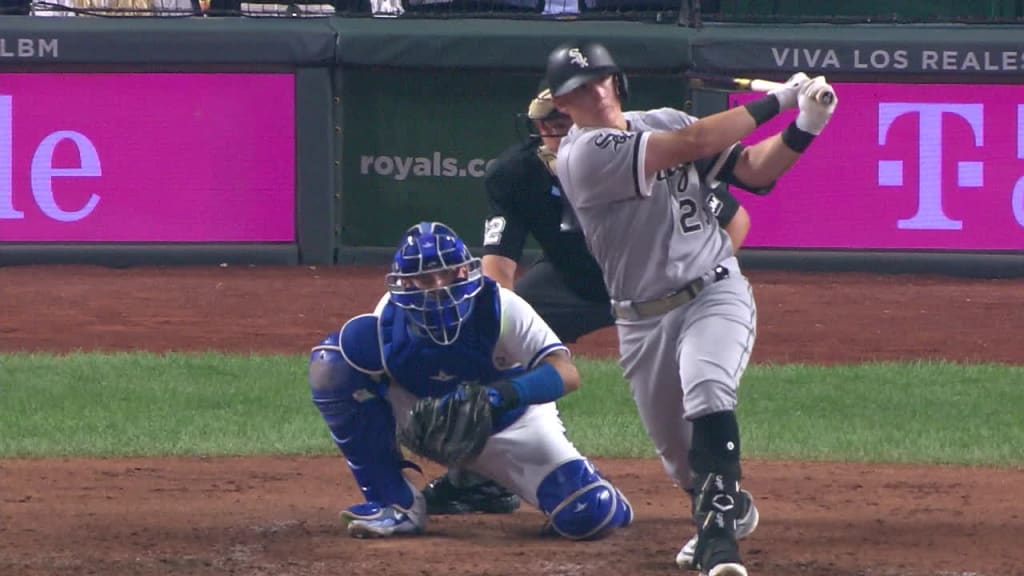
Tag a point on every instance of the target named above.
point(426, 368)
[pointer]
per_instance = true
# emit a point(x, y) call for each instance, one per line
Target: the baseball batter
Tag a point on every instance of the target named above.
point(639, 183)
point(564, 286)
point(442, 329)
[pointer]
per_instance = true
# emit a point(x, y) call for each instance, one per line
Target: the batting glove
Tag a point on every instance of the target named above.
point(790, 89)
point(814, 112)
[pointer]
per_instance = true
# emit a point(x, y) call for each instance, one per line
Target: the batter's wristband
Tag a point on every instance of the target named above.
point(796, 139)
point(763, 109)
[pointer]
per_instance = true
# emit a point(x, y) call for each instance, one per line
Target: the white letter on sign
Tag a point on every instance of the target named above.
point(43, 174)
point(929, 214)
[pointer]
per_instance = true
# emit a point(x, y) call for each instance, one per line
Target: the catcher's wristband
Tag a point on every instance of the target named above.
point(796, 139)
point(507, 397)
point(763, 109)
point(541, 385)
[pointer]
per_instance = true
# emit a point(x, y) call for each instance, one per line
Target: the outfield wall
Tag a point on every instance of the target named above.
point(316, 141)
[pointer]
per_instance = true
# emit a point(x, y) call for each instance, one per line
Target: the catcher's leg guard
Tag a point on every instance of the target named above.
point(580, 504)
point(359, 419)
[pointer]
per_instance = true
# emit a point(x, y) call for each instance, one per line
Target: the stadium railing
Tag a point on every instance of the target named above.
point(694, 13)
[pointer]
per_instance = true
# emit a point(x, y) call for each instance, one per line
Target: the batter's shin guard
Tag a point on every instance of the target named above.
point(716, 512)
point(716, 506)
point(714, 461)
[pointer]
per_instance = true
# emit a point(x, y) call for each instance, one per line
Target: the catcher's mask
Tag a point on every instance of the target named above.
point(434, 278)
point(573, 65)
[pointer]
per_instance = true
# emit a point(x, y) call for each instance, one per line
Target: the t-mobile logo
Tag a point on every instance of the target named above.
point(42, 172)
point(970, 174)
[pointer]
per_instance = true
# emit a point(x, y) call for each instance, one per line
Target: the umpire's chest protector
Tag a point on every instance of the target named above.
point(426, 368)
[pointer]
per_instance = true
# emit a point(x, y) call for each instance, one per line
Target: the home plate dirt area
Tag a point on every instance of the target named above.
point(278, 515)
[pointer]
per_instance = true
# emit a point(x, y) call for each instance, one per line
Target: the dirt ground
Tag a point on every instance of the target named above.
point(278, 516)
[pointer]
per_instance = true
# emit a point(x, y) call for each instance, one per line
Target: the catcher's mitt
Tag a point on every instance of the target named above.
point(451, 429)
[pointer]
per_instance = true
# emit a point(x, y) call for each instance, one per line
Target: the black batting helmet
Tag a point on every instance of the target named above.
point(573, 65)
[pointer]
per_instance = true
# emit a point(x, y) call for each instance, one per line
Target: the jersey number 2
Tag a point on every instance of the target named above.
point(689, 216)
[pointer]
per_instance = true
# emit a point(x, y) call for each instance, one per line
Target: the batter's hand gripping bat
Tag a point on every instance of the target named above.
point(750, 84)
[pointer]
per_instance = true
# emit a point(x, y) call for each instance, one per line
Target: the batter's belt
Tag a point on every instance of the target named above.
point(629, 310)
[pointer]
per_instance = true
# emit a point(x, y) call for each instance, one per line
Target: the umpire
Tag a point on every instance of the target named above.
point(564, 285)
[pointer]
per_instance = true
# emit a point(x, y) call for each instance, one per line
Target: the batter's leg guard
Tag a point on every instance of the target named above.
point(746, 522)
point(717, 511)
point(580, 504)
point(714, 462)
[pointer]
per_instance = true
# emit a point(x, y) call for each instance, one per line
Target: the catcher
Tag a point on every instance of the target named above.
point(464, 373)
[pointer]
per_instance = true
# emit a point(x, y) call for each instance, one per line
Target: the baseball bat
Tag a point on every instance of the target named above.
point(750, 84)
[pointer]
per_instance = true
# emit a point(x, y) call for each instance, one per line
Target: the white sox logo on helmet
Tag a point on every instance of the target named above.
point(577, 58)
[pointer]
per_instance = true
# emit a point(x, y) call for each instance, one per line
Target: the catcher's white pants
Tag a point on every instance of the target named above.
point(520, 456)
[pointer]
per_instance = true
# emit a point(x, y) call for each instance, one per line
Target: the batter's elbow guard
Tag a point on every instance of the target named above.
point(580, 504)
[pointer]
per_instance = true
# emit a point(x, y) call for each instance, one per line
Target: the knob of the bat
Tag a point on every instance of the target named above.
point(827, 98)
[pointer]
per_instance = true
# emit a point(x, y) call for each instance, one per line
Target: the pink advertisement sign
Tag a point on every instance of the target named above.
point(133, 157)
point(902, 167)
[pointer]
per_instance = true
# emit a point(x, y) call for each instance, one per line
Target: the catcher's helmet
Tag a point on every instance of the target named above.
point(573, 65)
point(434, 278)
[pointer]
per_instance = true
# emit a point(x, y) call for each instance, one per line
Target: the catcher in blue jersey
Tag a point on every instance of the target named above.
point(465, 373)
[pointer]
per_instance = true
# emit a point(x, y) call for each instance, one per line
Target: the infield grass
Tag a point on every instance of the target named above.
point(142, 404)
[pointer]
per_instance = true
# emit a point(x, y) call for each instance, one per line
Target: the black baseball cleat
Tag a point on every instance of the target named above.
point(444, 497)
point(746, 523)
point(720, 556)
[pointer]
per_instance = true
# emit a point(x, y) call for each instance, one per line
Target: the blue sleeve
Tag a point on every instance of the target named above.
point(359, 418)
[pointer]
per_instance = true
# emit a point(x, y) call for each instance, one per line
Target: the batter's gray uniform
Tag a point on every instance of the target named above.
point(659, 244)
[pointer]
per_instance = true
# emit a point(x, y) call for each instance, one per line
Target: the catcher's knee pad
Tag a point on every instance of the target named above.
point(346, 389)
point(580, 504)
point(353, 350)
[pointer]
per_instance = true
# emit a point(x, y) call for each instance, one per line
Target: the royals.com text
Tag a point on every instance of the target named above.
point(402, 167)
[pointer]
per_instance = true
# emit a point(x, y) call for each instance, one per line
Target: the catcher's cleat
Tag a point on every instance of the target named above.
point(444, 497)
point(745, 526)
point(372, 520)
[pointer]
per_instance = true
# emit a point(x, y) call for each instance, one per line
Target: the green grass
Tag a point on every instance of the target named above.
point(212, 404)
point(915, 412)
point(885, 412)
point(143, 404)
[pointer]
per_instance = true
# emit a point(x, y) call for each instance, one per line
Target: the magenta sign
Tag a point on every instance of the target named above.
point(903, 167)
point(147, 158)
